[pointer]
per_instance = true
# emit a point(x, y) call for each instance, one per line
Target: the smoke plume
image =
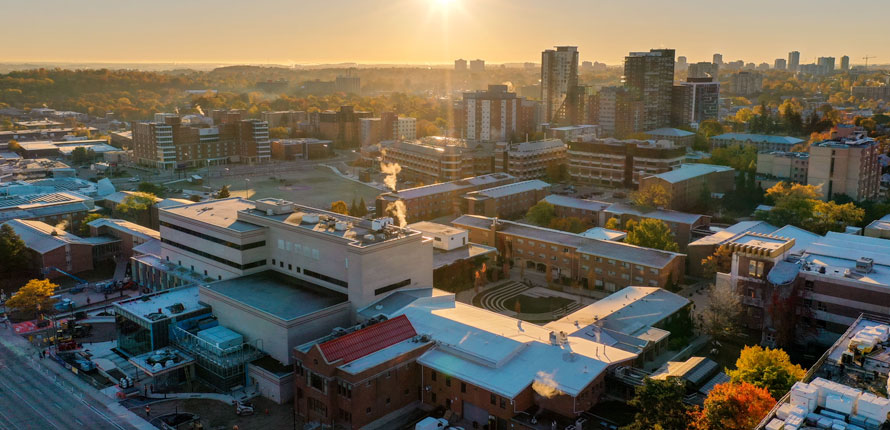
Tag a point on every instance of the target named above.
point(545, 385)
point(399, 211)
point(62, 226)
point(391, 170)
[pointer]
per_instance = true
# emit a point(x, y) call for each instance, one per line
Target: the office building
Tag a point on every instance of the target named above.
point(439, 159)
point(793, 61)
point(592, 263)
point(171, 142)
point(845, 63)
point(292, 119)
point(650, 77)
point(745, 83)
point(846, 166)
point(477, 65)
point(460, 65)
point(621, 163)
point(825, 65)
point(342, 127)
point(433, 201)
point(492, 115)
point(761, 142)
point(559, 82)
point(306, 148)
point(617, 111)
point(529, 160)
point(681, 65)
point(688, 184)
point(694, 101)
point(348, 84)
point(506, 201)
point(680, 138)
point(780, 166)
point(780, 64)
point(718, 59)
point(703, 70)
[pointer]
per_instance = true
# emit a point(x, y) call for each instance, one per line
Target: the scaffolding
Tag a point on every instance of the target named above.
point(224, 368)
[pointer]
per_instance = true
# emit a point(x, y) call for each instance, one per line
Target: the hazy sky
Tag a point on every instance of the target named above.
point(436, 31)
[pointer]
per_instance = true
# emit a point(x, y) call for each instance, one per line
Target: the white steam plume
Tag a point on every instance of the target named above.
point(399, 211)
point(545, 386)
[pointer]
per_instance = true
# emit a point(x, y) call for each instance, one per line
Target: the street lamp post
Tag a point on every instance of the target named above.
point(246, 188)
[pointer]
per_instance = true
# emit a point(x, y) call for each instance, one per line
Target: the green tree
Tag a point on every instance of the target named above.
point(135, 204)
point(659, 405)
point(719, 261)
point(652, 233)
point(742, 159)
point(557, 172)
point(651, 197)
point(340, 207)
point(362, 208)
point(800, 205)
point(766, 368)
point(84, 224)
point(148, 187)
point(34, 296)
point(13, 252)
point(569, 224)
point(613, 224)
point(279, 133)
point(830, 216)
point(541, 213)
point(79, 155)
point(223, 192)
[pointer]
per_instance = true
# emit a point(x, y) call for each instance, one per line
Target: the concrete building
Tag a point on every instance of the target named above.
point(306, 148)
point(439, 159)
point(694, 101)
point(825, 65)
point(776, 166)
point(703, 70)
point(745, 83)
point(387, 127)
point(348, 84)
point(846, 165)
point(292, 119)
point(559, 80)
point(650, 77)
point(460, 65)
point(680, 138)
point(761, 142)
point(433, 201)
point(780, 64)
point(168, 142)
point(879, 228)
point(493, 115)
point(529, 160)
point(477, 66)
point(718, 59)
point(687, 184)
point(234, 237)
point(617, 111)
point(845, 63)
point(871, 93)
point(572, 258)
point(793, 61)
point(129, 234)
point(506, 201)
point(621, 163)
point(342, 127)
point(570, 133)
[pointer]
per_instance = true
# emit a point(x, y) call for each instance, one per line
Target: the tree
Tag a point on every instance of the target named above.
point(340, 207)
point(719, 261)
point(542, 213)
point(13, 252)
point(800, 205)
point(830, 216)
point(84, 224)
point(741, 158)
point(734, 407)
point(223, 192)
point(362, 207)
point(148, 187)
point(766, 368)
point(652, 233)
point(136, 203)
point(353, 208)
point(613, 224)
point(651, 197)
point(569, 224)
point(79, 155)
point(720, 316)
point(659, 405)
point(34, 296)
point(279, 133)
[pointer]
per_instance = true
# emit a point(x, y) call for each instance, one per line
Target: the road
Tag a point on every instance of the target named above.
point(30, 399)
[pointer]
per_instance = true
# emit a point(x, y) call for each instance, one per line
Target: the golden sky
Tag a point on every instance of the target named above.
point(436, 31)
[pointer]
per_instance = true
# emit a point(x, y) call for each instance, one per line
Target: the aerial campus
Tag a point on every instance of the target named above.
point(572, 237)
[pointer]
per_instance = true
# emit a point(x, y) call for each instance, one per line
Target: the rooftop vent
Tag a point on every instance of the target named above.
point(865, 265)
point(310, 218)
point(381, 223)
point(177, 308)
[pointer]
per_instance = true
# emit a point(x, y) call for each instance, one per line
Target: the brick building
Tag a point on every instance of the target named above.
point(621, 163)
point(342, 127)
point(432, 201)
point(687, 184)
point(439, 159)
point(529, 160)
point(53, 247)
point(508, 201)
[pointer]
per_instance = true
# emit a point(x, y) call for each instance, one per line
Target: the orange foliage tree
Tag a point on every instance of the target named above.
point(733, 406)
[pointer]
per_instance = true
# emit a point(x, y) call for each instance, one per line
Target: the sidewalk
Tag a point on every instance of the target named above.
point(78, 388)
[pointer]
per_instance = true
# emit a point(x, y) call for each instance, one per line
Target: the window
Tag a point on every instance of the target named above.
point(463, 387)
point(391, 287)
point(447, 381)
point(821, 306)
point(432, 375)
point(280, 243)
point(316, 381)
point(755, 269)
point(317, 406)
point(281, 264)
point(325, 278)
point(290, 266)
point(433, 398)
point(494, 399)
point(503, 403)
point(344, 389)
point(368, 411)
point(808, 285)
point(299, 369)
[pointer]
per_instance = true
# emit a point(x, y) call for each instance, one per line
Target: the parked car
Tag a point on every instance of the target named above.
point(65, 305)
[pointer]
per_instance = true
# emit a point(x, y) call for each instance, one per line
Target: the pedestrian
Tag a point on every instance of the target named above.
point(88, 301)
point(147, 411)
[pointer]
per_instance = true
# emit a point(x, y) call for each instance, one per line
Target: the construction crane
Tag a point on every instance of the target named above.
point(866, 58)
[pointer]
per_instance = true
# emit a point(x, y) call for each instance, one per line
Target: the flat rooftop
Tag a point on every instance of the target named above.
point(156, 306)
point(442, 258)
point(221, 213)
point(279, 295)
point(662, 214)
point(508, 190)
point(444, 187)
point(571, 202)
point(435, 228)
point(689, 171)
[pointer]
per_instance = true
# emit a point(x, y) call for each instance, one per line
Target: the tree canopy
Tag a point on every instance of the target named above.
point(570, 224)
point(659, 405)
point(719, 261)
point(84, 224)
point(34, 296)
point(720, 316)
point(340, 207)
point(135, 203)
point(651, 233)
point(542, 213)
point(800, 205)
point(732, 406)
point(651, 197)
point(13, 252)
point(148, 187)
point(223, 192)
point(766, 368)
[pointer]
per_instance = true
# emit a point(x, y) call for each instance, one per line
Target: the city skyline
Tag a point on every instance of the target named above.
point(433, 32)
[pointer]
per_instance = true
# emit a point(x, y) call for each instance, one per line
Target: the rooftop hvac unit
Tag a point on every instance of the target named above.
point(864, 265)
point(340, 226)
point(310, 218)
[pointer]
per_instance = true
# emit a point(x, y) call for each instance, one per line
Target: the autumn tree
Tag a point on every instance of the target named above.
point(766, 368)
point(279, 133)
point(340, 207)
point(721, 314)
point(542, 213)
point(801, 205)
point(135, 204)
point(84, 224)
point(650, 197)
point(569, 224)
point(652, 233)
point(613, 224)
point(223, 192)
point(34, 296)
point(13, 252)
point(733, 406)
point(148, 187)
point(659, 405)
point(719, 261)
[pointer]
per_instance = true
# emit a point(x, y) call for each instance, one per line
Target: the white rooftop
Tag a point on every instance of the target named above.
point(604, 234)
point(160, 303)
point(689, 171)
point(510, 189)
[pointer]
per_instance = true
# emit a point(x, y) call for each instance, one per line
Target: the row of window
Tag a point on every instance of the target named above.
point(214, 239)
point(247, 266)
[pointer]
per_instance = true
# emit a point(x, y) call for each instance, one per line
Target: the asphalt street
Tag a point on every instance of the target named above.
point(30, 399)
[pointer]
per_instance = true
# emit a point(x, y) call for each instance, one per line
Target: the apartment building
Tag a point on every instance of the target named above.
point(432, 201)
point(687, 183)
point(868, 93)
point(493, 115)
point(439, 159)
point(703, 69)
point(650, 77)
point(230, 238)
point(617, 111)
point(511, 200)
point(745, 83)
point(388, 126)
point(621, 163)
point(590, 263)
point(529, 160)
point(695, 101)
point(343, 126)
point(169, 142)
point(780, 166)
point(559, 81)
point(477, 66)
point(761, 142)
point(846, 165)
point(292, 119)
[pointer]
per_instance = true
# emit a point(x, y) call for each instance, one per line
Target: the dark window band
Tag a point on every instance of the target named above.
point(215, 239)
point(215, 258)
point(391, 287)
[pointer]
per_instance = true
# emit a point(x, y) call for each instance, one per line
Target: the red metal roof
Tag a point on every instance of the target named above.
point(368, 340)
